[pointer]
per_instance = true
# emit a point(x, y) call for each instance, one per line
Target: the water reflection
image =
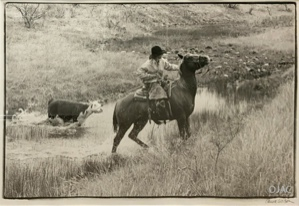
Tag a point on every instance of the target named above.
point(206, 100)
point(97, 125)
point(96, 134)
point(65, 132)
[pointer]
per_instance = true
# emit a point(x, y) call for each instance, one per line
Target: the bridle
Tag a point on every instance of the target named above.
point(197, 63)
point(204, 73)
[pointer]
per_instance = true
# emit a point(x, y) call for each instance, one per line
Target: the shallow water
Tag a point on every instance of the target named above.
point(208, 101)
point(96, 134)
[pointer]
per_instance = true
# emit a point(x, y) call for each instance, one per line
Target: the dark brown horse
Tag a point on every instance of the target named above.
point(129, 111)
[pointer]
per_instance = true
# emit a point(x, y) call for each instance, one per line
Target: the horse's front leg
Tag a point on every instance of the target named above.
point(183, 128)
point(188, 129)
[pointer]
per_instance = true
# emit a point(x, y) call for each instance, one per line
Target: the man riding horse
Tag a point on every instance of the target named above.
point(151, 74)
point(134, 109)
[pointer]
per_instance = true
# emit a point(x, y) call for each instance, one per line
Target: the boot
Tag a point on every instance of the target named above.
point(162, 109)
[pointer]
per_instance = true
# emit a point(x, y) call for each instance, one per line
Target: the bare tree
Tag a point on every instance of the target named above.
point(30, 13)
point(231, 6)
point(222, 138)
point(286, 8)
point(250, 10)
point(269, 10)
point(93, 7)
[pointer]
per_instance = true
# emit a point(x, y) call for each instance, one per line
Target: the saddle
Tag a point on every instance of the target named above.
point(143, 94)
point(157, 100)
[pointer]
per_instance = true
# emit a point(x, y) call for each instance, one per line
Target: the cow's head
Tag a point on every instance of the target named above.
point(94, 107)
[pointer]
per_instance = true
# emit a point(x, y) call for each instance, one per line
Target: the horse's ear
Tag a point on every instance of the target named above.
point(181, 56)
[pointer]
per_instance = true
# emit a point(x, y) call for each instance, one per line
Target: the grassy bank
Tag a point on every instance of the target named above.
point(55, 176)
point(235, 159)
point(252, 66)
point(60, 69)
point(75, 53)
point(236, 152)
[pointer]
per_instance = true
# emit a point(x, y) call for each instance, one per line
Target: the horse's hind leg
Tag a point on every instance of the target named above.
point(138, 126)
point(120, 134)
point(188, 129)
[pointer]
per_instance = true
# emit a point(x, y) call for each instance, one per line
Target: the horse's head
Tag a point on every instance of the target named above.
point(193, 62)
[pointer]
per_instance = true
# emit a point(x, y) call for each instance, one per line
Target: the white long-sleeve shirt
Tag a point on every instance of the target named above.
point(152, 70)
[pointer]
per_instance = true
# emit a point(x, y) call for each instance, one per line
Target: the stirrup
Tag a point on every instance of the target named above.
point(160, 103)
point(169, 109)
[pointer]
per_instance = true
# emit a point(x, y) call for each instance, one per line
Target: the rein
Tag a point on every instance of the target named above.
point(133, 89)
point(204, 73)
point(171, 85)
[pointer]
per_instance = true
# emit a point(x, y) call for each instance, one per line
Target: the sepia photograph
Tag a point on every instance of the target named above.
point(149, 100)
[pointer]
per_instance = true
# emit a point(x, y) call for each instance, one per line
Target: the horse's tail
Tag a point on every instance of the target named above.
point(115, 123)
